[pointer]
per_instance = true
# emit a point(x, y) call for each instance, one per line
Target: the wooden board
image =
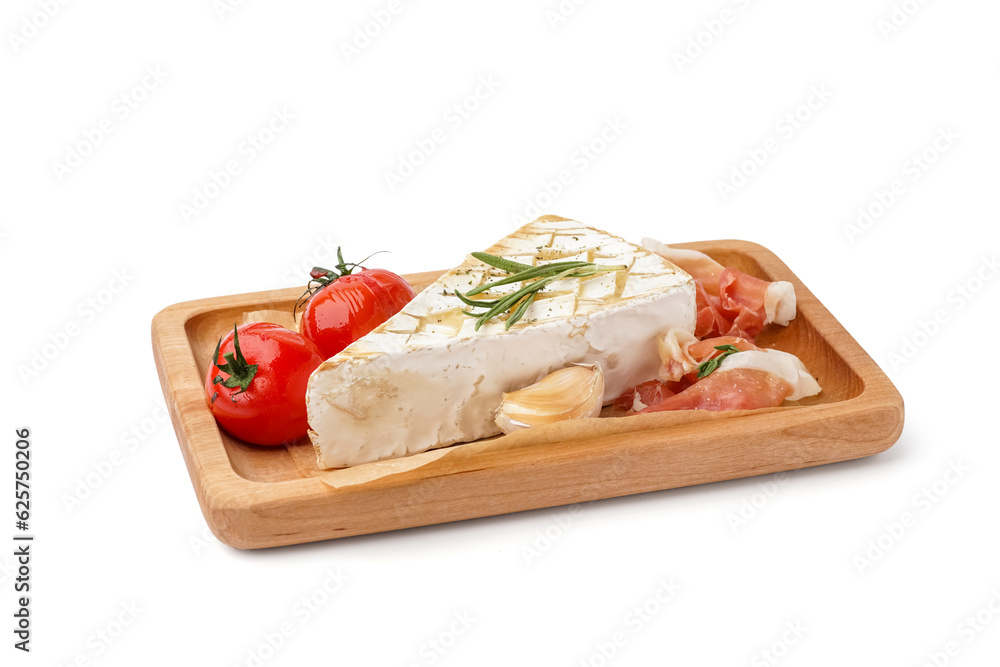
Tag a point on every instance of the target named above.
point(255, 497)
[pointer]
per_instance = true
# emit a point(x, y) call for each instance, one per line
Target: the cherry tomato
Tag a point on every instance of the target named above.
point(256, 384)
point(342, 306)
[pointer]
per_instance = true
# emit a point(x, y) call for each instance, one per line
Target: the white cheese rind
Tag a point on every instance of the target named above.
point(426, 378)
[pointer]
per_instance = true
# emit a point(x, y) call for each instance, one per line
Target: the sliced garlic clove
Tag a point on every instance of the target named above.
point(573, 392)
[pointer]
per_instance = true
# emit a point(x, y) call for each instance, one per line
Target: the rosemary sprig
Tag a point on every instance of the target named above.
point(529, 273)
point(709, 366)
point(541, 276)
point(508, 265)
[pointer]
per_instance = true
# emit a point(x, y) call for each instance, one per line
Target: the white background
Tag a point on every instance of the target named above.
point(139, 537)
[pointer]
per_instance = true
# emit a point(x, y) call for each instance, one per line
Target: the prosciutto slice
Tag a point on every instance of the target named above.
point(747, 380)
point(742, 389)
point(711, 319)
point(732, 309)
point(730, 302)
point(681, 352)
point(643, 395)
point(698, 265)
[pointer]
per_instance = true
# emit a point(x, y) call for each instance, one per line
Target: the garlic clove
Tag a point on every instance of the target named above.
point(573, 392)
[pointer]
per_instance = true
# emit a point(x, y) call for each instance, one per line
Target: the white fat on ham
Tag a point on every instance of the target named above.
point(699, 265)
point(781, 364)
point(779, 303)
point(677, 361)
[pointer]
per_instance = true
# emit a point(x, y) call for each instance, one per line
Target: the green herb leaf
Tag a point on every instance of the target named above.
point(531, 272)
point(472, 302)
point(241, 373)
point(519, 311)
point(508, 265)
point(540, 276)
point(709, 366)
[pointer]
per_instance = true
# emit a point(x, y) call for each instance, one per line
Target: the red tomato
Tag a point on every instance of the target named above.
point(256, 384)
point(346, 306)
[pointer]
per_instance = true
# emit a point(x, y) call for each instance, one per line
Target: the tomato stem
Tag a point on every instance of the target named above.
point(320, 277)
point(241, 373)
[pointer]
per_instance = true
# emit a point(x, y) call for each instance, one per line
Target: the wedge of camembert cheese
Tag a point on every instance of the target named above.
point(426, 378)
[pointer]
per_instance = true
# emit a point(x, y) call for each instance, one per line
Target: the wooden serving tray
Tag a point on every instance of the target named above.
point(255, 497)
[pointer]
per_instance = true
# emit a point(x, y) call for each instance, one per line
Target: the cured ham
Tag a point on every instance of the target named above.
point(675, 356)
point(641, 396)
point(719, 366)
point(707, 348)
point(741, 389)
point(745, 381)
point(681, 352)
point(698, 265)
point(730, 302)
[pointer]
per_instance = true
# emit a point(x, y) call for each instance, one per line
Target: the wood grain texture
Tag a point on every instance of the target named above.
point(255, 497)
